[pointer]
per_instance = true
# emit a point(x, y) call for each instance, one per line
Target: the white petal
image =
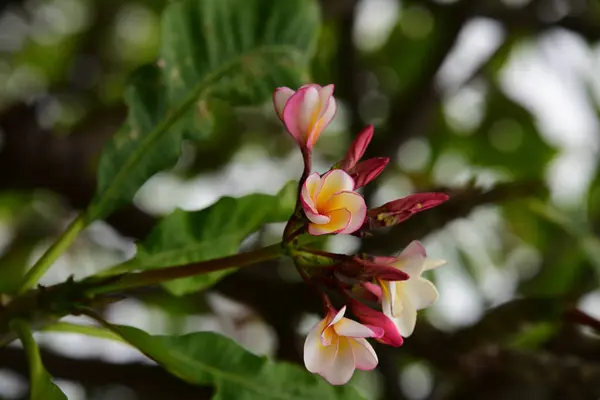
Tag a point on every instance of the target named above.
point(422, 293)
point(413, 248)
point(365, 357)
point(431, 263)
point(317, 356)
point(281, 97)
point(412, 265)
point(338, 316)
point(388, 294)
point(309, 109)
point(340, 371)
point(407, 318)
point(350, 328)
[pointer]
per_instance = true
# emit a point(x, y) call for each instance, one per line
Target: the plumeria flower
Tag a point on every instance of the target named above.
point(336, 346)
point(400, 300)
point(331, 205)
point(305, 113)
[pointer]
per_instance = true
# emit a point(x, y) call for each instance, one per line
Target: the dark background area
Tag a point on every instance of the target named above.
point(495, 102)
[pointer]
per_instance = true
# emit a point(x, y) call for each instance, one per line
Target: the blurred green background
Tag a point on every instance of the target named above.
point(496, 102)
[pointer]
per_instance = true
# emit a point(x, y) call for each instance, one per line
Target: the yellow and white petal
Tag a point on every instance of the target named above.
point(354, 203)
point(365, 357)
point(353, 329)
point(422, 292)
point(317, 356)
point(337, 317)
point(310, 189)
point(388, 293)
point(340, 371)
point(406, 319)
point(432, 263)
point(280, 97)
point(334, 181)
point(339, 220)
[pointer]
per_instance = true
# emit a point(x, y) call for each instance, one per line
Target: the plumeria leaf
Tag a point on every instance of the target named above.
point(207, 358)
point(217, 231)
point(41, 386)
point(235, 50)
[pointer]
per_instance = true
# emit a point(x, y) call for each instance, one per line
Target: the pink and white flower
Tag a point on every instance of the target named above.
point(305, 113)
point(336, 346)
point(401, 300)
point(331, 205)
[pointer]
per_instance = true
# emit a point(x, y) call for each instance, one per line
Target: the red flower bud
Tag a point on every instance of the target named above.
point(400, 210)
point(366, 270)
point(357, 148)
point(365, 171)
point(371, 317)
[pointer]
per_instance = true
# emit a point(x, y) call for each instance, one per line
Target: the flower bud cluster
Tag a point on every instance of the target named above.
point(383, 293)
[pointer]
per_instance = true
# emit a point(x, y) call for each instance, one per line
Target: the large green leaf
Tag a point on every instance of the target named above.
point(206, 358)
point(214, 232)
point(42, 387)
point(237, 50)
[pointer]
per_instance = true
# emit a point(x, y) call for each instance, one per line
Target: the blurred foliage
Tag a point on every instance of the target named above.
point(75, 61)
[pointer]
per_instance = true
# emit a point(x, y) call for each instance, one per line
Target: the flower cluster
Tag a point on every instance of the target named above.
point(383, 293)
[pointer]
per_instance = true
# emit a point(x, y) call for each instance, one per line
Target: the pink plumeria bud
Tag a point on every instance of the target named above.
point(357, 148)
point(400, 301)
point(331, 205)
point(336, 346)
point(305, 113)
point(375, 268)
point(366, 171)
point(400, 210)
point(371, 317)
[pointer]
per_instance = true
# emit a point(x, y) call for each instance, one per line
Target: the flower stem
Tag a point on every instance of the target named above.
point(147, 278)
point(51, 255)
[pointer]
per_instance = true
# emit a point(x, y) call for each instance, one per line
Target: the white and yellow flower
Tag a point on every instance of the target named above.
point(401, 300)
point(331, 205)
point(336, 346)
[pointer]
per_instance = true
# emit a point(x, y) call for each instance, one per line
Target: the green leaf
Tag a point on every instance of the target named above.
point(42, 387)
point(207, 358)
point(214, 232)
point(236, 50)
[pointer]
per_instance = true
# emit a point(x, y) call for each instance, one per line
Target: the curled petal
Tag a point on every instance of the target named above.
point(317, 356)
point(422, 293)
point(355, 204)
point(334, 181)
point(280, 98)
point(365, 357)
point(349, 328)
point(342, 367)
point(404, 315)
point(338, 221)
